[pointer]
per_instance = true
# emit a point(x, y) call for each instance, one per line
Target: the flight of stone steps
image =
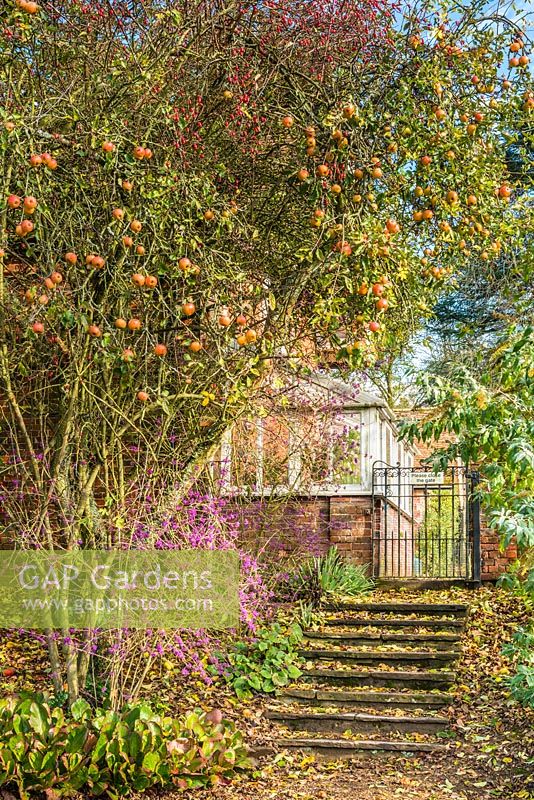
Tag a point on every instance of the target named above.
point(375, 681)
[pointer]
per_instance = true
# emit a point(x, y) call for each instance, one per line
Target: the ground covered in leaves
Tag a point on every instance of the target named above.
point(490, 746)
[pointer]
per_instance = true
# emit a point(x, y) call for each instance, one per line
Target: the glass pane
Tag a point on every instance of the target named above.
point(245, 454)
point(275, 452)
point(346, 450)
point(313, 445)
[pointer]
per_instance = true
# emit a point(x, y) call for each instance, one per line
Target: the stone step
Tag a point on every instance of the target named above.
point(425, 609)
point(421, 584)
point(381, 678)
point(333, 749)
point(442, 641)
point(366, 699)
point(341, 722)
point(399, 622)
point(422, 658)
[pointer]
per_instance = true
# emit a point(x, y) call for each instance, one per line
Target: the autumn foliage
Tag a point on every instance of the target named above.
point(195, 192)
point(188, 190)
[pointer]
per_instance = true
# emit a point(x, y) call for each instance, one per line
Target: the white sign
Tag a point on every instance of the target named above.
point(426, 478)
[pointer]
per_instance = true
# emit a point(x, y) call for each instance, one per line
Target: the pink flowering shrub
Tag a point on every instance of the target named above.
point(200, 521)
point(212, 523)
point(123, 657)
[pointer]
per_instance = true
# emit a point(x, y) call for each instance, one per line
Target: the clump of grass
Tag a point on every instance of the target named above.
point(331, 575)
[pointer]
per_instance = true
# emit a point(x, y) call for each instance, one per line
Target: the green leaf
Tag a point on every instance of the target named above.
point(38, 719)
point(151, 762)
point(80, 709)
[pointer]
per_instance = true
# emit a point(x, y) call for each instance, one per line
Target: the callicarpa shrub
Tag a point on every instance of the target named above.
point(199, 521)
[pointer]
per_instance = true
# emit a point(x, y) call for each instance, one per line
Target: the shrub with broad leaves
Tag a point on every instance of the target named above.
point(105, 752)
point(267, 663)
point(521, 649)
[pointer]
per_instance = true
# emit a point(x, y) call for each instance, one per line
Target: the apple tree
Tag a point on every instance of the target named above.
point(197, 195)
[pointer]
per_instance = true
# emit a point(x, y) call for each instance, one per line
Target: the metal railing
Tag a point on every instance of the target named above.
point(425, 525)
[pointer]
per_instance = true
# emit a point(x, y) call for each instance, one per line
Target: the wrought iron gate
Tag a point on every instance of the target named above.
point(425, 525)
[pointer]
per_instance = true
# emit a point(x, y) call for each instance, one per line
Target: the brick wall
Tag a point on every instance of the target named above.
point(494, 561)
point(315, 524)
point(350, 530)
point(346, 522)
point(301, 524)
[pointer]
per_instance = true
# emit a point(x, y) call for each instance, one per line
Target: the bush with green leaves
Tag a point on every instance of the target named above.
point(486, 410)
point(330, 574)
point(267, 663)
point(519, 578)
point(521, 650)
point(110, 753)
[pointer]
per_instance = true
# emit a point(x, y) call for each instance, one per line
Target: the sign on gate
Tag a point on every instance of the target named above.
point(422, 478)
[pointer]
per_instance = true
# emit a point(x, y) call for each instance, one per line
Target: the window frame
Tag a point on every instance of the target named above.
point(375, 426)
point(294, 463)
point(330, 486)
